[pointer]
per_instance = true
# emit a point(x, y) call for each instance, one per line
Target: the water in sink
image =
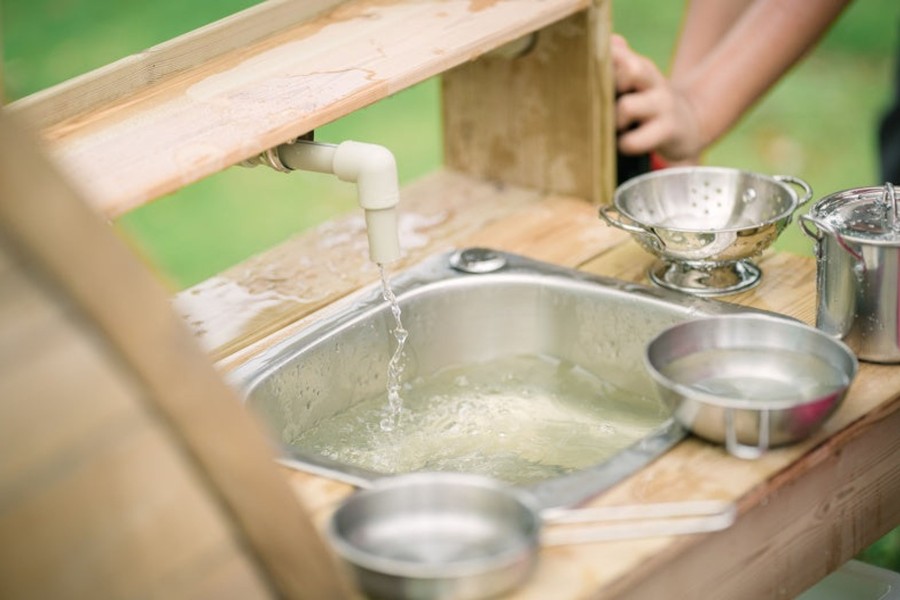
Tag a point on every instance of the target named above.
point(521, 419)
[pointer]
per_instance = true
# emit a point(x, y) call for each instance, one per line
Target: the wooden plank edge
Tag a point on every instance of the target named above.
point(150, 67)
point(602, 87)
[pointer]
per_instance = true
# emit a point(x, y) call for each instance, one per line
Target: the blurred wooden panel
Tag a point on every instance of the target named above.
point(96, 497)
point(116, 514)
point(132, 467)
point(57, 388)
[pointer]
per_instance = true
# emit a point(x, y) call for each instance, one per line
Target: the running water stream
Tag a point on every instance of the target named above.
point(395, 366)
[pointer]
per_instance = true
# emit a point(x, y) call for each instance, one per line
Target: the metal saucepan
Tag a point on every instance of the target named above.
point(462, 536)
point(857, 235)
point(750, 381)
point(704, 223)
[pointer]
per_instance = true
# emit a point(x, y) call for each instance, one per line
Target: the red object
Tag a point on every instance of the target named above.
point(657, 162)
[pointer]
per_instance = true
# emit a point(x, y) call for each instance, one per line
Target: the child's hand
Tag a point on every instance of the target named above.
point(651, 114)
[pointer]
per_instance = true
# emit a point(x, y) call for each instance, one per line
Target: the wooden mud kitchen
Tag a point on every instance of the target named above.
point(131, 468)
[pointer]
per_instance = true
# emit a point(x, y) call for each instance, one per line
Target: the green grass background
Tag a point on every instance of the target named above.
point(818, 123)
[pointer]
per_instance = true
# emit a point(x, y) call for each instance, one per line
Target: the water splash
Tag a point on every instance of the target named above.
point(890, 199)
point(520, 419)
point(395, 365)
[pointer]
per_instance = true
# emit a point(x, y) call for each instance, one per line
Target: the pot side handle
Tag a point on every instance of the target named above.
point(806, 222)
point(811, 227)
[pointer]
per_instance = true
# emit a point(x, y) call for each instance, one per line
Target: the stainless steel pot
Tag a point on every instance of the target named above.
point(461, 536)
point(857, 235)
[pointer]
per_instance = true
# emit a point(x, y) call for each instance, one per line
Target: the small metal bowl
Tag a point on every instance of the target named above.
point(704, 223)
point(750, 382)
point(435, 536)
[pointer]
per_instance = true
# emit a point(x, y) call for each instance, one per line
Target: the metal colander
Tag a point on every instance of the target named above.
point(704, 223)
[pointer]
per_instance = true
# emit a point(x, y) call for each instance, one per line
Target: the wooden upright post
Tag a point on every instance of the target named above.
point(543, 119)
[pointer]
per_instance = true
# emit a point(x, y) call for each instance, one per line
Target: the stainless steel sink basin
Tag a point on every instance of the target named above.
point(533, 373)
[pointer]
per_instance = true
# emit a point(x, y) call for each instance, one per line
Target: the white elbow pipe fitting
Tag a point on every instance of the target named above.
point(374, 171)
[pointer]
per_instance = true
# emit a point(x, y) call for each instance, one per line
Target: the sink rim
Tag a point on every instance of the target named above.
point(566, 490)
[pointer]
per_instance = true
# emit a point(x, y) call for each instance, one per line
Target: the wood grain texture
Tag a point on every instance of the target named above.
point(141, 71)
point(96, 496)
point(538, 120)
point(235, 105)
point(785, 287)
point(602, 92)
point(191, 428)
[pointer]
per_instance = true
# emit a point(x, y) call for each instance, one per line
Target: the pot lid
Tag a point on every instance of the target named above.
point(869, 214)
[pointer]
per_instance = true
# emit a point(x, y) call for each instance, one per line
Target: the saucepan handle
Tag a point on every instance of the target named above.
point(807, 189)
point(636, 521)
point(653, 239)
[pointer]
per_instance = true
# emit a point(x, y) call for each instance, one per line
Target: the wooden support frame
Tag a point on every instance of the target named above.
point(541, 120)
point(125, 138)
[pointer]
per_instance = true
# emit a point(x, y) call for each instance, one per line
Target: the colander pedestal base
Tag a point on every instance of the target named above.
point(703, 280)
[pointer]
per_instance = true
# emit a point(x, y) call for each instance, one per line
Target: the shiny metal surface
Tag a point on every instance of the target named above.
point(431, 536)
point(705, 223)
point(745, 354)
point(437, 536)
point(477, 260)
point(527, 307)
point(857, 237)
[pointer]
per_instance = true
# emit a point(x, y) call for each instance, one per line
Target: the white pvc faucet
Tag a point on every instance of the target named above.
point(374, 171)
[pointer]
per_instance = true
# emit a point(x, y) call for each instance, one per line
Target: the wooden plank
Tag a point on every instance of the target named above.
point(560, 229)
point(89, 480)
point(77, 256)
point(122, 517)
point(787, 284)
point(602, 91)
point(229, 108)
point(49, 368)
point(223, 576)
point(540, 120)
point(150, 67)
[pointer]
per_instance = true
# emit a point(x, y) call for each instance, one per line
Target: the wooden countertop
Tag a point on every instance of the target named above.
point(803, 510)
